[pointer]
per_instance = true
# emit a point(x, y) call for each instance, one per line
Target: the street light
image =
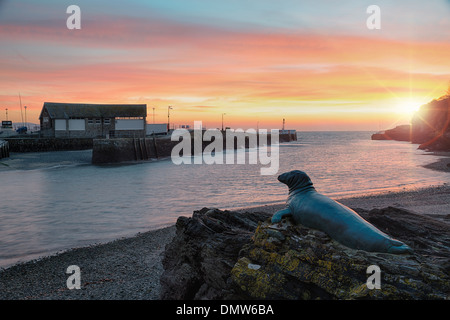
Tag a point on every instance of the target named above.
point(153, 115)
point(222, 119)
point(26, 125)
point(168, 118)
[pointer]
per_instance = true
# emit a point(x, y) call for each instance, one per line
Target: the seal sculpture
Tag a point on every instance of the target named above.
point(317, 211)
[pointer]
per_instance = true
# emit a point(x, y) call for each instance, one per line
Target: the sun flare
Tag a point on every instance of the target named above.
point(408, 107)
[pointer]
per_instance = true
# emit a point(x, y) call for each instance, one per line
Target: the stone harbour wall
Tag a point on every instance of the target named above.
point(137, 149)
point(4, 149)
point(48, 144)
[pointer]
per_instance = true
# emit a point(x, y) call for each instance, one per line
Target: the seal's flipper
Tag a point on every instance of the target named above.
point(400, 249)
point(280, 214)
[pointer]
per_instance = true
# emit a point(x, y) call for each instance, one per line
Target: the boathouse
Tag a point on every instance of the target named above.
point(78, 120)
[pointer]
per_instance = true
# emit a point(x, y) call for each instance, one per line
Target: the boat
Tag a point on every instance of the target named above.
point(22, 130)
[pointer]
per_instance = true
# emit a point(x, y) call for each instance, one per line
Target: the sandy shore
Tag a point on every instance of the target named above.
point(129, 269)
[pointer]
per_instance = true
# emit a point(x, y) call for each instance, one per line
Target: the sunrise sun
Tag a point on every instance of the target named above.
point(409, 106)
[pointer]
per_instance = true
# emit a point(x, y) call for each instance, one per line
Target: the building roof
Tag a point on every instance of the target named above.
point(83, 110)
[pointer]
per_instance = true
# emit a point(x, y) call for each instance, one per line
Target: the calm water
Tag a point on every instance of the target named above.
point(55, 201)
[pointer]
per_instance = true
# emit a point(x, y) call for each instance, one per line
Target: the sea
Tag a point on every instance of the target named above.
point(55, 201)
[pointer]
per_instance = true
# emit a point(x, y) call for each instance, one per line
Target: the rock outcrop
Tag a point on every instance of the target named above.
point(199, 260)
point(233, 255)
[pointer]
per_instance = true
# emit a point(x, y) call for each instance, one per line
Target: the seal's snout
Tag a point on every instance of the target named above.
point(282, 177)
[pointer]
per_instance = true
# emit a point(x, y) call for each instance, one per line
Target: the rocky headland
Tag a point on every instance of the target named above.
point(430, 127)
point(399, 133)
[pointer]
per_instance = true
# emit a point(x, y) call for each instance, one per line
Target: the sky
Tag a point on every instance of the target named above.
point(252, 63)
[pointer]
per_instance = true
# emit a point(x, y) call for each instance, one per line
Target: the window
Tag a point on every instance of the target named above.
point(60, 124)
point(98, 121)
point(107, 121)
point(90, 121)
point(130, 124)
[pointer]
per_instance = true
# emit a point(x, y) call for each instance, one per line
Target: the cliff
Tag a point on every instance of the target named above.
point(431, 125)
point(233, 255)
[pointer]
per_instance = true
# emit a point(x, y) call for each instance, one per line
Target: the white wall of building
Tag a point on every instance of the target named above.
point(130, 124)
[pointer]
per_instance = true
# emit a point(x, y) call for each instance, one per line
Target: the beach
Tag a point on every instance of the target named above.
point(130, 268)
point(124, 269)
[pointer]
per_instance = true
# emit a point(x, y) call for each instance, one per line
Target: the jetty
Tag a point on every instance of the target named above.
point(116, 150)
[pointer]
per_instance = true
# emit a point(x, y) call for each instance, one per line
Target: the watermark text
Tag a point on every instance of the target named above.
point(192, 143)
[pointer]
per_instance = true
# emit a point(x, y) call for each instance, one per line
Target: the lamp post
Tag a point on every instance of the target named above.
point(168, 118)
point(222, 119)
point(153, 115)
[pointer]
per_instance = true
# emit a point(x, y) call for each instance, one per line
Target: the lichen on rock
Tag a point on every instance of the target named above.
point(241, 255)
point(308, 264)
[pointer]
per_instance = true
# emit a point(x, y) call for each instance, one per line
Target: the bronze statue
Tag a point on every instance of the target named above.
point(314, 210)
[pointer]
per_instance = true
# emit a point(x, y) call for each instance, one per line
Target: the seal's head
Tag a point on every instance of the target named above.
point(296, 180)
